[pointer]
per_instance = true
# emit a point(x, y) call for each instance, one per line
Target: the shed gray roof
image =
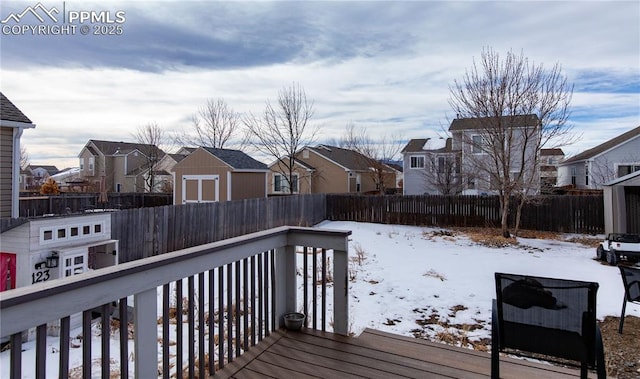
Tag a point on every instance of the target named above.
point(604, 146)
point(481, 122)
point(9, 112)
point(236, 159)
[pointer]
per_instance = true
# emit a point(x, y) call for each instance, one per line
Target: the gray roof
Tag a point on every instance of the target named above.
point(481, 122)
point(587, 154)
point(113, 148)
point(236, 159)
point(51, 170)
point(554, 151)
point(350, 159)
point(9, 112)
point(415, 145)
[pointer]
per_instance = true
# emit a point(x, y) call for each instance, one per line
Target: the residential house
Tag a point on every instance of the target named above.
point(164, 168)
point(592, 168)
point(331, 169)
point(37, 175)
point(479, 138)
point(209, 175)
point(12, 124)
point(549, 160)
point(431, 171)
point(122, 166)
point(464, 164)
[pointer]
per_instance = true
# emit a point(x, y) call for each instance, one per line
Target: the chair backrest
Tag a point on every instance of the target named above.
point(631, 280)
point(549, 316)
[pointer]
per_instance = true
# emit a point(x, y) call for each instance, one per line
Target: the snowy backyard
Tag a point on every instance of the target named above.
point(432, 283)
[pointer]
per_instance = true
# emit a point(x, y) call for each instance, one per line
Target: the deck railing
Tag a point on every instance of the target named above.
point(179, 314)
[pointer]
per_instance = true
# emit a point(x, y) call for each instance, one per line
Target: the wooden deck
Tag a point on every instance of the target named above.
point(374, 354)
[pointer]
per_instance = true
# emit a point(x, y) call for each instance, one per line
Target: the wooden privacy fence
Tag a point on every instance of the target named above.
point(145, 232)
point(66, 203)
point(570, 214)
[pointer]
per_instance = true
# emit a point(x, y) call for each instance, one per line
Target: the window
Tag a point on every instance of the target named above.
point(586, 174)
point(627, 169)
point(81, 164)
point(573, 175)
point(91, 163)
point(277, 183)
point(74, 231)
point(478, 144)
point(280, 184)
point(62, 233)
point(118, 187)
point(97, 228)
point(416, 162)
point(305, 154)
point(441, 164)
point(86, 230)
point(48, 235)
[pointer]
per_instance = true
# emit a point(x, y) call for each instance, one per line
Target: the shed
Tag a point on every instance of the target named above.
point(210, 175)
point(622, 204)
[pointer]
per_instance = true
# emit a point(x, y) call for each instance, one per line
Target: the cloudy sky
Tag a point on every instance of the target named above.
point(385, 66)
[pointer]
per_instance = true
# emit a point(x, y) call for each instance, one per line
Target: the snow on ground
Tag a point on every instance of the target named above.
point(413, 281)
point(408, 274)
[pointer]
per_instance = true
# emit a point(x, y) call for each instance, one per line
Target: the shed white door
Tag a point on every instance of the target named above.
point(74, 262)
point(200, 188)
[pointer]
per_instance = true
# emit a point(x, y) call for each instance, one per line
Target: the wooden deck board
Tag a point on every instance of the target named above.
point(374, 354)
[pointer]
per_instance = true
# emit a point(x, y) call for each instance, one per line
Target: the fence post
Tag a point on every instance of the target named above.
point(285, 291)
point(341, 291)
point(146, 334)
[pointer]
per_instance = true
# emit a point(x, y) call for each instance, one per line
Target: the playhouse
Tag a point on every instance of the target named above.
point(49, 248)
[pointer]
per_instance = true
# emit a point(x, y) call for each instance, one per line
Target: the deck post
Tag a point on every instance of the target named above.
point(285, 290)
point(341, 291)
point(146, 334)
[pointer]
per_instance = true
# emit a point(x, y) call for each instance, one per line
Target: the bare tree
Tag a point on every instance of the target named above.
point(216, 125)
point(153, 136)
point(500, 94)
point(25, 159)
point(443, 174)
point(282, 129)
point(374, 153)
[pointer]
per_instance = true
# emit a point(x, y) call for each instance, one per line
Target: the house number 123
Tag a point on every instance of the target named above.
point(40, 276)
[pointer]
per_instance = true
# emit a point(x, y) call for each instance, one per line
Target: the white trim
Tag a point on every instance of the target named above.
point(16, 124)
point(200, 178)
point(228, 185)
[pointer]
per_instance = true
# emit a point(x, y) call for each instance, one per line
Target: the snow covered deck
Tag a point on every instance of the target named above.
point(374, 354)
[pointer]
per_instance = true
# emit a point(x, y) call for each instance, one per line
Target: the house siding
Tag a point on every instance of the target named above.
point(6, 171)
point(327, 177)
point(415, 181)
point(243, 185)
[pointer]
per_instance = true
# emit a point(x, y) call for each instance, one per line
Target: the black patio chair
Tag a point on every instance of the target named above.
point(631, 281)
point(552, 317)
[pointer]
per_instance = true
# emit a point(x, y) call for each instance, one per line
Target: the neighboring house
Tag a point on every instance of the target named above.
point(329, 169)
point(612, 159)
point(431, 171)
point(549, 160)
point(464, 165)
point(123, 166)
point(12, 123)
point(164, 177)
point(209, 175)
point(37, 175)
point(622, 204)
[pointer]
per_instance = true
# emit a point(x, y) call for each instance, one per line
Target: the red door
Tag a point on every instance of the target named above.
point(7, 271)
